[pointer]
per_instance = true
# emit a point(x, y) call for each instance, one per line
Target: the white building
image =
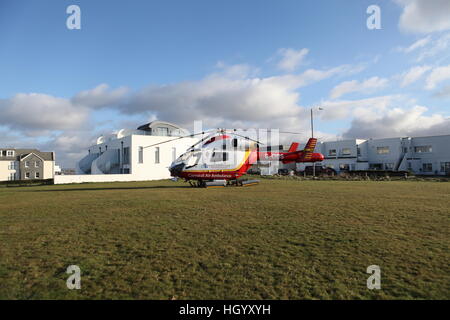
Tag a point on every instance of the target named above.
point(129, 155)
point(421, 155)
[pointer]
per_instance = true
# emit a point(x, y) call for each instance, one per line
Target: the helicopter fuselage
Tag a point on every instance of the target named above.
point(225, 158)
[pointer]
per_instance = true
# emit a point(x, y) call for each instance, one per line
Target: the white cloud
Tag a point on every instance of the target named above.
point(365, 86)
point(416, 45)
point(398, 122)
point(437, 76)
point(381, 117)
point(100, 96)
point(221, 99)
point(413, 74)
point(363, 108)
point(424, 16)
point(443, 93)
point(40, 112)
point(435, 47)
point(291, 58)
point(429, 47)
point(36, 120)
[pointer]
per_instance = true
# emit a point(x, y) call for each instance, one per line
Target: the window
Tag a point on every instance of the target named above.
point(383, 150)
point(37, 175)
point(27, 175)
point(344, 166)
point(405, 150)
point(157, 155)
point(423, 149)
point(219, 156)
point(409, 166)
point(126, 155)
point(445, 167)
point(191, 158)
point(12, 176)
point(12, 165)
point(332, 152)
point(27, 164)
point(37, 164)
point(346, 151)
point(174, 154)
point(141, 154)
point(162, 131)
point(376, 166)
point(427, 167)
point(389, 166)
point(10, 153)
point(358, 151)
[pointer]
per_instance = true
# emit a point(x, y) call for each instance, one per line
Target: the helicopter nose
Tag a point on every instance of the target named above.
point(176, 169)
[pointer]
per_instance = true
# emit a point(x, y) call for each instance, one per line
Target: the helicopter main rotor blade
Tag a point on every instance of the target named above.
point(188, 136)
point(203, 139)
point(288, 132)
point(234, 132)
point(239, 135)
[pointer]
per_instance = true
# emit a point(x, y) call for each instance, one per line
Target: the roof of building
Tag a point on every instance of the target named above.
point(19, 154)
point(154, 128)
point(157, 123)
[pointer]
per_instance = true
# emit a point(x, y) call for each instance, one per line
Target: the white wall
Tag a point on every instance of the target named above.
point(149, 169)
point(49, 169)
point(440, 153)
point(81, 178)
point(339, 146)
point(395, 151)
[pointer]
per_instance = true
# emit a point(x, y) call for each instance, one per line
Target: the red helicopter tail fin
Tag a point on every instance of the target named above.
point(309, 149)
point(293, 147)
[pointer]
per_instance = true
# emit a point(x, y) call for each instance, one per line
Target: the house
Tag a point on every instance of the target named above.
point(26, 164)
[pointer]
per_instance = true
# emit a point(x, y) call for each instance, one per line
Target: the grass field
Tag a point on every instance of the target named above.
point(278, 240)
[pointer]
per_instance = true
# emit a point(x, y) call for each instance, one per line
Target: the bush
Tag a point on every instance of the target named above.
point(22, 183)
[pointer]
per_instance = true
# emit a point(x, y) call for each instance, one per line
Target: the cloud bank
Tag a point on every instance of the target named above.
point(424, 16)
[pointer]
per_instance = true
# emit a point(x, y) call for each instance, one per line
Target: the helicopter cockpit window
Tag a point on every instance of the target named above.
point(191, 158)
point(219, 156)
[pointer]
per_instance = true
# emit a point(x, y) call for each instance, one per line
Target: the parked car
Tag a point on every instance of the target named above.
point(320, 170)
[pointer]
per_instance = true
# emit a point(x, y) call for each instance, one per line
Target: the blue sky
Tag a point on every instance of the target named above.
point(221, 61)
point(139, 42)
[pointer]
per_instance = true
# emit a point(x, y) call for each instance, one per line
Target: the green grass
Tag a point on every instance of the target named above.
point(281, 239)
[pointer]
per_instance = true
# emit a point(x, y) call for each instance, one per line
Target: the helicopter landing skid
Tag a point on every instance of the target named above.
point(222, 183)
point(243, 183)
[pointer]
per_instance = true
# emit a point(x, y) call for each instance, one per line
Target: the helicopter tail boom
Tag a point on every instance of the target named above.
point(305, 155)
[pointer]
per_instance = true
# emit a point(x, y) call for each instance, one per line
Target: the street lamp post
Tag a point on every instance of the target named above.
point(312, 135)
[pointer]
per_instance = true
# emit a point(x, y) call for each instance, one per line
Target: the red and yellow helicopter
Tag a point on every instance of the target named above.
point(224, 156)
